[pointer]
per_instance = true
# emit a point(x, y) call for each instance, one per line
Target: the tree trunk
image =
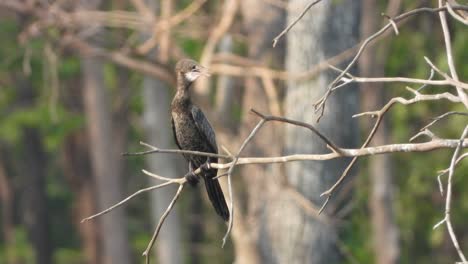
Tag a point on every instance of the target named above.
point(384, 228)
point(261, 21)
point(157, 124)
point(6, 201)
point(225, 90)
point(36, 215)
point(158, 133)
point(77, 170)
point(105, 162)
point(33, 171)
point(327, 29)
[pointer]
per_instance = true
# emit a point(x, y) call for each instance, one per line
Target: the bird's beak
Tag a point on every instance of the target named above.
point(204, 71)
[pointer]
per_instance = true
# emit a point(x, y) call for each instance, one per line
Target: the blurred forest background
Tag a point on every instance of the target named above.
point(83, 81)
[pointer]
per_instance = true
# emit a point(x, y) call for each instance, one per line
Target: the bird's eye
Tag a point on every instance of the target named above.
point(194, 67)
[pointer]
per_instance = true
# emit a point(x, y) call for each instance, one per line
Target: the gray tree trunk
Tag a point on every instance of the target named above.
point(36, 213)
point(385, 233)
point(156, 120)
point(225, 89)
point(32, 169)
point(261, 21)
point(105, 160)
point(158, 133)
point(327, 29)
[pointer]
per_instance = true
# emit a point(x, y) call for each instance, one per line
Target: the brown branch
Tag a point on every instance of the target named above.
point(143, 9)
point(329, 143)
point(167, 24)
point(244, 67)
point(119, 58)
point(227, 17)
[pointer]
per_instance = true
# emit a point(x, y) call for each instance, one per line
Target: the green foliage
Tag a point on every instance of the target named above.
point(20, 251)
point(65, 255)
point(12, 124)
point(193, 47)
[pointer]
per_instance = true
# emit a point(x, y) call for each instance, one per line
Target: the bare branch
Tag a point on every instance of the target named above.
point(320, 104)
point(450, 59)
point(448, 81)
point(229, 11)
point(286, 30)
point(461, 19)
point(448, 199)
point(229, 174)
point(167, 24)
point(437, 119)
point(160, 223)
point(329, 143)
point(154, 149)
point(126, 200)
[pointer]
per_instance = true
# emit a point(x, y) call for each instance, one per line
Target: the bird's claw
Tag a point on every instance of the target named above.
point(192, 178)
point(205, 167)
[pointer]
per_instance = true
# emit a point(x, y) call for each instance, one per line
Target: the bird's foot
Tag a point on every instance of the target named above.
point(205, 167)
point(192, 178)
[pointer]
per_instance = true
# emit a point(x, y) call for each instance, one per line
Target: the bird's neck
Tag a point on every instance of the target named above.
point(182, 96)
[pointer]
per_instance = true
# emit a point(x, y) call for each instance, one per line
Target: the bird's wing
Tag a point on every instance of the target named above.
point(204, 127)
point(174, 133)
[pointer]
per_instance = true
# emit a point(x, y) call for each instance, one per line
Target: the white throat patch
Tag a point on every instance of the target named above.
point(192, 76)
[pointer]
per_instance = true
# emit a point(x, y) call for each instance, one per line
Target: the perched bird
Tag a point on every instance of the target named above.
point(192, 131)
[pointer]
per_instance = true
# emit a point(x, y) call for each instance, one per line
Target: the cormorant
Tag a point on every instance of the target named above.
point(192, 131)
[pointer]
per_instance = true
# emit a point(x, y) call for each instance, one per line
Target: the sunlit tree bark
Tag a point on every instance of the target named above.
point(105, 161)
point(385, 231)
point(156, 120)
point(261, 21)
point(329, 28)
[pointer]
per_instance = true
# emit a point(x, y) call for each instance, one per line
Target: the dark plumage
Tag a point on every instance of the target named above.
point(192, 131)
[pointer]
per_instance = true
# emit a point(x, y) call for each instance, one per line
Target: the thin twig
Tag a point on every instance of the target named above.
point(379, 114)
point(154, 149)
point(286, 30)
point(329, 143)
point(448, 199)
point(437, 119)
point(320, 104)
point(126, 200)
point(160, 223)
point(234, 163)
point(455, 15)
point(450, 58)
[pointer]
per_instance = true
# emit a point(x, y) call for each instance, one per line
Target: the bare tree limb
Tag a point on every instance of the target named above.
point(437, 119)
point(286, 30)
point(450, 59)
point(320, 104)
point(448, 200)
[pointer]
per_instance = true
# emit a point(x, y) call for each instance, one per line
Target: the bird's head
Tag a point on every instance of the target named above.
point(190, 70)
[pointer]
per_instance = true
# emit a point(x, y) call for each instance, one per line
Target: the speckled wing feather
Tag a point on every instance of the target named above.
point(175, 133)
point(215, 193)
point(204, 127)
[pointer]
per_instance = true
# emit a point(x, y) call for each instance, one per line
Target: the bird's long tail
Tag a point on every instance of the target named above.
point(215, 193)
